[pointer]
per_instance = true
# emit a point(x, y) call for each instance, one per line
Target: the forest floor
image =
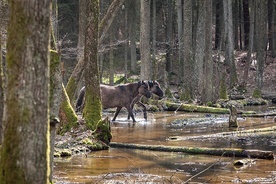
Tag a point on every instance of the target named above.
point(269, 76)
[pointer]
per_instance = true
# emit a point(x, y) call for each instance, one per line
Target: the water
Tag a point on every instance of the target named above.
point(142, 166)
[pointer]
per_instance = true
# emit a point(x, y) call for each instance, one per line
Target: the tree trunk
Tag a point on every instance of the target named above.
point(246, 24)
point(251, 42)
point(169, 26)
point(92, 111)
point(1, 74)
point(188, 68)
point(229, 54)
point(55, 100)
point(132, 12)
point(230, 152)
point(111, 56)
point(25, 150)
point(261, 40)
point(207, 94)
point(146, 67)
point(179, 37)
point(154, 25)
point(200, 43)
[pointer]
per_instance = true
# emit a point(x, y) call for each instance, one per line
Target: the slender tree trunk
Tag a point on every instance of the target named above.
point(111, 57)
point(1, 73)
point(132, 12)
point(246, 23)
point(261, 40)
point(179, 37)
point(188, 68)
point(146, 65)
point(200, 46)
point(126, 46)
point(251, 42)
point(219, 16)
point(207, 94)
point(154, 25)
point(169, 24)
point(92, 111)
point(229, 54)
point(25, 150)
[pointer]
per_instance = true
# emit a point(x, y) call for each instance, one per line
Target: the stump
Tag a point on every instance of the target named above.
point(233, 116)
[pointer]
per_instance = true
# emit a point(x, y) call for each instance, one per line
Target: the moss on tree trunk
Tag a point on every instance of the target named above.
point(67, 115)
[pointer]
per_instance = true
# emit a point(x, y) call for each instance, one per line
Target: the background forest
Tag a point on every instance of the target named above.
point(201, 49)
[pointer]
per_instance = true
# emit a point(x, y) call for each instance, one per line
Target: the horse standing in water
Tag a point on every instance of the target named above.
point(118, 96)
point(155, 89)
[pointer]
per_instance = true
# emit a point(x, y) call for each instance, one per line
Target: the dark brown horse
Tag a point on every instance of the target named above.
point(118, 96)
point(155, 89)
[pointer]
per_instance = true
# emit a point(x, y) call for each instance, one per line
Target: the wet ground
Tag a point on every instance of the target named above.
point(140, 166)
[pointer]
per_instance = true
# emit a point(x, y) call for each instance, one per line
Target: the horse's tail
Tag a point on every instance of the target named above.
point(80, 99)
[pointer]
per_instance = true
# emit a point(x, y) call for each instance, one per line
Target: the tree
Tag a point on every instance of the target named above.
point(261, 41)
point(207, 94)
point(25, 148)
point(92, 111)
point(229, 53)
point(187, 67)
point(1, 74)
point(146, 67)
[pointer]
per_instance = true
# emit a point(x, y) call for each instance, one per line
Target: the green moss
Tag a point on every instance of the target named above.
point(71, 88)
point(103, 131)
point(68, 117)
point(168, 93)
point(92, 111)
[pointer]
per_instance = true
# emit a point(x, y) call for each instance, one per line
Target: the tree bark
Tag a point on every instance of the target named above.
point(207, 94)
point(230, 152)
point(1, 74)
point(132, 24)
point(261, 40)
point(92, 111)
point(229, 54)
point(188, 63)
point(179, 37)
point(25, 150)
point(146, 67)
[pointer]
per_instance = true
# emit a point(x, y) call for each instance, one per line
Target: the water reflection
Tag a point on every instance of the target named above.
point(130, 166)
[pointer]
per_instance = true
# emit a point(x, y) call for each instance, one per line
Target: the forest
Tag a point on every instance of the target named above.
point(202, 53)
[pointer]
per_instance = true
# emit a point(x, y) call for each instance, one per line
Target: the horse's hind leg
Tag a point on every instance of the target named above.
point(116, 113)
point(129, 109)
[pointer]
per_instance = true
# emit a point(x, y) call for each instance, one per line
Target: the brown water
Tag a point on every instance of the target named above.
point(140, 166)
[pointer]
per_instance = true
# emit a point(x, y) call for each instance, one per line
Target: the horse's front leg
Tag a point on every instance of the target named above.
point(134, 101)
point(116, 113)
point(144, 109)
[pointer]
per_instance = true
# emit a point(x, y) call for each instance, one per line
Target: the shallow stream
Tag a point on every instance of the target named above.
point(141, 166)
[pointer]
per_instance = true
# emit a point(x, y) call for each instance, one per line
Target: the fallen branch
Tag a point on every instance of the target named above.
point(199, 150)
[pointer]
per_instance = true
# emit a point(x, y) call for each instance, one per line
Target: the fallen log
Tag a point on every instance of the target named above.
point(250, 132)
point(199, 150)
point(194, 108)
point(259, 115)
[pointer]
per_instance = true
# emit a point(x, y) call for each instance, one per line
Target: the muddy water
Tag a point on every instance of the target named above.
point(140, 166)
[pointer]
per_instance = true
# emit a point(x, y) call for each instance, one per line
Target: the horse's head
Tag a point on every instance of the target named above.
point(144, 89)
point(156, 89)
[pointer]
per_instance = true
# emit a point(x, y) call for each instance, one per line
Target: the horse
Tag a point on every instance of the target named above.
point(118, 96)
point(155, 89)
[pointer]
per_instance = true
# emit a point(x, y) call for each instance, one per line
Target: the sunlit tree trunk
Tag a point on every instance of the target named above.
point(111, 57)
point(146, 67)
point(25, 149)
point(154, 27)
point(92, 111)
